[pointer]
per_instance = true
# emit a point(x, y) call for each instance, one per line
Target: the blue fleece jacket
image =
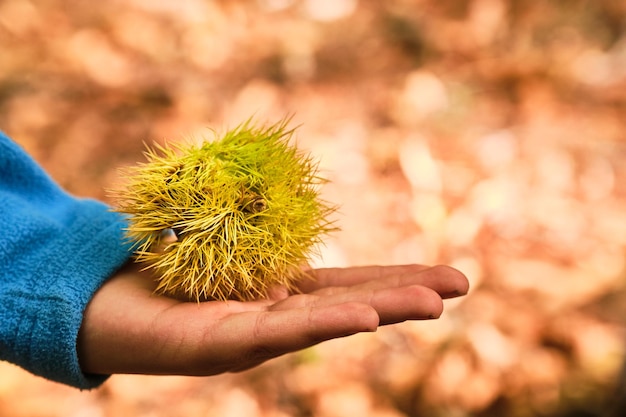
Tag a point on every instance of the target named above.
point(55, 252)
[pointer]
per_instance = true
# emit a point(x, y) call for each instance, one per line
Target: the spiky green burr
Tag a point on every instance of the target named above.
point(227, 219)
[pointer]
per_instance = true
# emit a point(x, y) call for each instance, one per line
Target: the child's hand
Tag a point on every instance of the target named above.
point(128, 329)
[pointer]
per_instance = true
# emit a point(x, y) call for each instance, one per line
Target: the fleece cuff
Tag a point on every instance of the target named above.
point(55, 252)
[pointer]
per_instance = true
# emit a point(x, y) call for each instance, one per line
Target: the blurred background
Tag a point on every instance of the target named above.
point(485, 134)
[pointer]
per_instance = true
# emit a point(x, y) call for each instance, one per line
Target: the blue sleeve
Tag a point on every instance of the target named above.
point(55, 252)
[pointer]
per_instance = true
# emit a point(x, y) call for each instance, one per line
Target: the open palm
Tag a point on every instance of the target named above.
point(129, 329)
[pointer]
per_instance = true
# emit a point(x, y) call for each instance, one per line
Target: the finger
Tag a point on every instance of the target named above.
point(249, 339)
point(415, 302)
point(279, 292)
point(331, 277)
point(446, 281)
point(393, 305)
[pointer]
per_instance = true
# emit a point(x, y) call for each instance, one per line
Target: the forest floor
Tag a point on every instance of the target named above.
point(489, 135)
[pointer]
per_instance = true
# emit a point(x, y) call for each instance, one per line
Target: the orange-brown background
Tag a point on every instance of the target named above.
point(485, 134)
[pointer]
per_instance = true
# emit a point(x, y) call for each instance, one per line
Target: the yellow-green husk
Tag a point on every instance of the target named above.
point(245, 210)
